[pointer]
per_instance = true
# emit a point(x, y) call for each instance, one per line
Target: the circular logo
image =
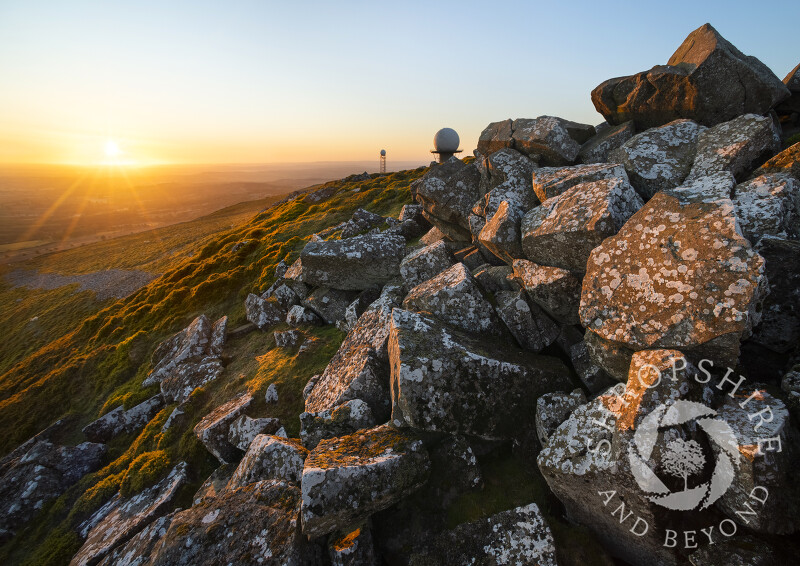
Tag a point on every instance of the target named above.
point(683, 458)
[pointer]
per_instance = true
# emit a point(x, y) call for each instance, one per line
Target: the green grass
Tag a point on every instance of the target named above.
point(93, 357)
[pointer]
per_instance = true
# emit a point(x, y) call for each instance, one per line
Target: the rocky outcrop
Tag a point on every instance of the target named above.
point(189, 359)
point(120, 421)
point(447, 193)
point(659, 158)
point(213, 429)
point(122, 518)
point(347, 479)
point(564, 230)
point(676, 276)
point(270, 458)
point(706, 80)
point(445, 380)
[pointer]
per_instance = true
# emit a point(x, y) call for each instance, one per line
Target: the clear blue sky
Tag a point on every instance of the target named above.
point(263, 81)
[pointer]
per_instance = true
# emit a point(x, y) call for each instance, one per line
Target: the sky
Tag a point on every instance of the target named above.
point(264, 82)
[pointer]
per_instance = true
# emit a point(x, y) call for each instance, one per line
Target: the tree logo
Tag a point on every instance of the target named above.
point(683, 458)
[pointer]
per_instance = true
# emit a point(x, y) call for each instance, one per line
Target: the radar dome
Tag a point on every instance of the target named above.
point(383, 152)
point(446, 140)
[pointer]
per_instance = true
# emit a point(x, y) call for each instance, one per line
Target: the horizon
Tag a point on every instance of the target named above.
point(193, 84)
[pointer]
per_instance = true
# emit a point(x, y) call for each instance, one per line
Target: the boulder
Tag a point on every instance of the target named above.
point(612, 358)
point(447, 192)
point(264, 313)
point(470, 256)
point(342, 420)
point(213, 429)
point(138, 550)
point(505, 176)
point(564, 230)
point(454, 297)
point(299, 315)
point(244, 429)
point(597, 149)
point(353, 547)
point(706, 80)
point(556, 290)
point(356, 263)
point(593, 377)
point(769, 204)
point(329, 304)
point(287, 338)
point(659, 158)
point(546, 140)
point(122, 518)
point(516, 536)
point(501, 234)
point(445, 380)
point(552, 409)
point(120, 421)
point(215, 484)
point(271, 394)
point(495, 137)
point(494, 278)
point(361, 221)
point(738, 146)
point(549, 182)
point(780, 320)
point(529, 325)
point(432, 236)
point(347, 479)
point(256, 525)
point(425, 263)
point(285, 295)
point(38, 472)
point(712, 188)
point(188, 359)
point(787, 161)
point(676, 276)
point(270, 458)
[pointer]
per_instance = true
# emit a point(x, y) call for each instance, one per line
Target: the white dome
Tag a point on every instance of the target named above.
point(446, 140)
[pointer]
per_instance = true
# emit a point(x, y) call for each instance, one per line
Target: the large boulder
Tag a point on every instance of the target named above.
point(347, 479)
point(659, 158)
point(517, 536)
point(556, 290)
point(597, 149)
point(706, 80)
point(676, 276)
point(122, 518)
point(189, 359)
point(549, 182)
point(495, 137)
point(256, 525)
point(244, 429)
point(37, 473)
point(120, 421)
point(270, 458)
point(355, 263)
point(425, 263)
point(564, 230)
point(264, 313)
point(501, 234)
point(769, 204)
point(548, 140)
point(213, 429)
point(447, 193)
point(738, 146)
point(780, 321)
point(138, 550)
point(445, 380)
point(505, 176)
point(454, 297)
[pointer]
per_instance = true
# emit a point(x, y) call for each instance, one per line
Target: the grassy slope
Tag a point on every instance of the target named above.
point(99, 361)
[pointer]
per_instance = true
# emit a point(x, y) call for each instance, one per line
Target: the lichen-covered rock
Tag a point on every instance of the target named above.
point(353, 547)
point(737, 146)
point(454, 297)
point(549, 182)
point(501, 234)
point(244, 429)
point(505, 176)
point(299, 315)
point(564, 230)
point(213, 429)
point(38, 472)
point(787, 161)
point(342, 420)
point(516, 536)
point(546, 140)
point(188, 359)
point(593, 377)
point(119, 420)
point(355, 263)
point(361, 221)
point(780, 317)
point(706, 80)
point(611, 357)
point(556, 290)
point(765, 479)
point(285, 295)
point(445, 380)
point(347, 479)
point(138, 550)
point(256, 525)
point(264, 313)
point(287, 338)
point(494, 278)
point(496, 136)
point(329, 304)
point(676, 276)
point(659, 158)
point(270, 458)
point(597, 149)
point(769, 204)
point(447, 192)
point(710, 189)
point(552, 409)
point(121, 518)
point(425, 263)
point(529, 325)
point(215, 484)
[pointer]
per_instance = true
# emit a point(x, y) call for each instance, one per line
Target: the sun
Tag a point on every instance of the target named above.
point(112, 149)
